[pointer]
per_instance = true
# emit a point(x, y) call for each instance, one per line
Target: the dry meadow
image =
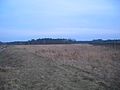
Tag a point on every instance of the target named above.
point(59, 67)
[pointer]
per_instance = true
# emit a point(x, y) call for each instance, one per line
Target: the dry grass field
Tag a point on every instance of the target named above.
point(59, 67)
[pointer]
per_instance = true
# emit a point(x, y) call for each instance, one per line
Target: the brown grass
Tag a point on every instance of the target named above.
point(62, 67)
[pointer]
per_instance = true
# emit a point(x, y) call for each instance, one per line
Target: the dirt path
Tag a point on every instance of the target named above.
point(21, 69)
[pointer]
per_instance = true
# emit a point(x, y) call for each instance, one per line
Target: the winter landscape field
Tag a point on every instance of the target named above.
point(59, 67)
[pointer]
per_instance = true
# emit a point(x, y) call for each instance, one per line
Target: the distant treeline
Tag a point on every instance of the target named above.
point(61, 41)
point(100, 42)
point(41, 41)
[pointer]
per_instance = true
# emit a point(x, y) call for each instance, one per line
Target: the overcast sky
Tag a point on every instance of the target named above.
point(75, 19)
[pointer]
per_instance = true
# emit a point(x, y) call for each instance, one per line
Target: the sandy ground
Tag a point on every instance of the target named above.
point(59, 67)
